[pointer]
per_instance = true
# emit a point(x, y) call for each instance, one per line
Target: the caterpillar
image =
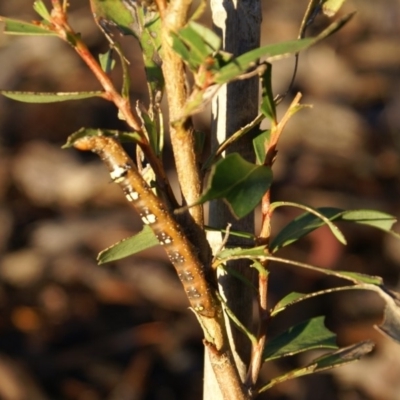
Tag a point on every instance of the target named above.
point(153, 213)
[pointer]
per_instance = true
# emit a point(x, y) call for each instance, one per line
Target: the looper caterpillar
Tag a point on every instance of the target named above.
point(153, 213)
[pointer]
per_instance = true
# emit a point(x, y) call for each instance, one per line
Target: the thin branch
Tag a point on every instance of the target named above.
point(61, 26)
point(182, 133)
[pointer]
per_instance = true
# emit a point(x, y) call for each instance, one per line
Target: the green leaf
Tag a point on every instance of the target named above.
point(41, 97)
point(41, 9)
point(241, 184)
point(332, 360)
point(343, 356)
point(308, 335)
point(209, 37)
point(195, 37)
point(132, 245)
point(180, 48)
point(259, 145)
point(151, 131)
point(239, 252)
point(83, 132)
point(376, 219)
point(359, 278)
point(291, 298)
point(114, 12)
point(107, 63)
point(273, 52)
point(304, 224)
point(140, 21)
point(16, 27)
point(331, 7)
point(267, 103)
point(307, 222)
point(355, 278)
point(194, 43)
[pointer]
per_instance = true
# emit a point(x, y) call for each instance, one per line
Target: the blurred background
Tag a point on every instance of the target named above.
point(73, 330)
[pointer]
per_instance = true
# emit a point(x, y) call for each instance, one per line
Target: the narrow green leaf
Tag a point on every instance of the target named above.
point(232, 232)
point(376, 219)
point(308, 335)
point(356, 278)
point(236, 321)
point(253, 127)
point(267, 103)
point(331, 7)
point(41, 9)
point(16, 27)
point(259, 144)
point(241, 184)
point(150, 130)
point(332, 360)
point(359, 278)
point(210, 38)
point(343, 356)
point(114, 12)
point(239, 252)
point(274, 52)
point(306, 223)
point(132, 245)
point(40, 97)
point(180, 48)
point(107, 63)
point(287, 301)
point(295, 298)
point(199, 50)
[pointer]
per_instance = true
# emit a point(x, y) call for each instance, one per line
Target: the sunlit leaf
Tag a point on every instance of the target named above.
point(267, 103)
point(331, 7)
point(239, 252)
point(16, 27)
point(307, 222)
point(241, 184)
point(376, 219)
point(140, 21)
point(127, 247)
point(41, 9)
point(41, 97)
point(209, 36)
point(308, 335)
point(107, 63)
point(259, 144)
point(287, 300)
point(274, 52)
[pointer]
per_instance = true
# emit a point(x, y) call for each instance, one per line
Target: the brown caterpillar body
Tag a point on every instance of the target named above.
point(153, 213)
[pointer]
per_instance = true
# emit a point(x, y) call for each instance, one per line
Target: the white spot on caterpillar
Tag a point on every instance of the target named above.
point(185, 276)
point(176, 257)
point(192, 293)
point(118, 173)
point(132, 196)
point(198, 307)
point(164, 239)
point(149, 219)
